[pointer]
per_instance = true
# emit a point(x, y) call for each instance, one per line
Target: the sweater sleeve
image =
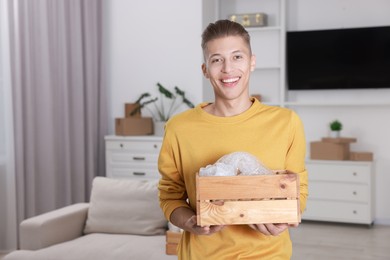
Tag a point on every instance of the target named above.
point(172, 190)
point(295, 158)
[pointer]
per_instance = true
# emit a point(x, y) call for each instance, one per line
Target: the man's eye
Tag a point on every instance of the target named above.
point(238, 57)
point(216, 60)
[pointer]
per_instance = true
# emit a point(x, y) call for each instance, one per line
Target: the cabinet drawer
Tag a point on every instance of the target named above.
point(339, 191)
point(135, 146)
point(128, 157)
point(339, 173)
point(134, 173)
point(337, 211)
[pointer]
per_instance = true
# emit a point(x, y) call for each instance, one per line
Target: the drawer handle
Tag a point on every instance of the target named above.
point(354, 174)
point(354, 193)
point(121, 145)
point(155, 146)
point(139, 158)
point(354, 212)
point(139, 173)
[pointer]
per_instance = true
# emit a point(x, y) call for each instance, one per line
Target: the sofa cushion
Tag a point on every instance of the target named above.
point(100, 247)
point(124, 206)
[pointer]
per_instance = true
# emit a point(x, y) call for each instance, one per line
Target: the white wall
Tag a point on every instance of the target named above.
point(152, 41)
point(369, 124)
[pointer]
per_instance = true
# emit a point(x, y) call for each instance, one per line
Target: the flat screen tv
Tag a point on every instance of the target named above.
point(354, 58)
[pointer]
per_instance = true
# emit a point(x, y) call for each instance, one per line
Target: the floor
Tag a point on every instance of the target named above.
point(325, 241)
point(329, 241)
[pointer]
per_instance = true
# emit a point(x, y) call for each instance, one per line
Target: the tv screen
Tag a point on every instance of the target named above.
point(354, 58)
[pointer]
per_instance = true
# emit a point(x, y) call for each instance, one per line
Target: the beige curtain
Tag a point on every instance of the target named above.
point(59, 101)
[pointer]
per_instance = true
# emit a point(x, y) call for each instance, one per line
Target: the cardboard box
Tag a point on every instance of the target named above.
point(339, 140)
point(172, 240)
point(231, 200)
point(134, 126)
point(329, 151)
point(130, 107)
point(361, 156)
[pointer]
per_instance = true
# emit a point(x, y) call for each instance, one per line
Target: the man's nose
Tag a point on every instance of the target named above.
point(227, 66)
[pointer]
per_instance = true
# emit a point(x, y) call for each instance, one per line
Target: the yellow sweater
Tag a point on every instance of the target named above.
point(195, 139)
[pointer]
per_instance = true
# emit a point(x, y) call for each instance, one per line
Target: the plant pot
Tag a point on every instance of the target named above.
point(159, 128)
point(335, 134)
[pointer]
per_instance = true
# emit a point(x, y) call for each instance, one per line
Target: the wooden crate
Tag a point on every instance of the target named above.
point(247, 199)
point(172, 240)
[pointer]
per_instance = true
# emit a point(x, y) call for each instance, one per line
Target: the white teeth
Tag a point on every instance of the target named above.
point(230, 80)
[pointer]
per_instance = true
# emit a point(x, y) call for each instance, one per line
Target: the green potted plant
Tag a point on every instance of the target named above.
point(133, 109)
point(335, 127)
point(169, 103)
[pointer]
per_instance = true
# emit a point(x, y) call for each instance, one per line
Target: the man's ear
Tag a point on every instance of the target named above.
point(253, 62)
point(204, 70)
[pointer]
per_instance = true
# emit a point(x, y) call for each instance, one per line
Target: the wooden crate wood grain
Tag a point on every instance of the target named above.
point(230, 200)
point(172, 241)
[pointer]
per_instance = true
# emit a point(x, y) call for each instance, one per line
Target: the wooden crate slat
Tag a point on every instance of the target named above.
point(248, 212)
point(248, 187)
point(173, 237)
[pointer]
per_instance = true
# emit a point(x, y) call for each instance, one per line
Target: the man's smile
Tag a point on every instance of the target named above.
point(230, 81)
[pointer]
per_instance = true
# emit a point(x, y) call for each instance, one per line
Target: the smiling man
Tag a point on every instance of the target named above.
point(232, 122)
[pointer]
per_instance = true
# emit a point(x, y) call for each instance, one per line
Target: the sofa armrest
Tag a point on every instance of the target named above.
point(53, 227)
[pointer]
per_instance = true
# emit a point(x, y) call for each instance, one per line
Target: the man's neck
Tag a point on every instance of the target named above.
point(227, 108)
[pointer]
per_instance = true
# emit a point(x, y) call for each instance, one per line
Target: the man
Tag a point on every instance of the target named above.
point(233, 122)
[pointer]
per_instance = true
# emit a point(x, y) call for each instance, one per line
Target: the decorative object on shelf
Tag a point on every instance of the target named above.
point(249, 20)
point(161, 113)
point(159, 128)
point(335, 127)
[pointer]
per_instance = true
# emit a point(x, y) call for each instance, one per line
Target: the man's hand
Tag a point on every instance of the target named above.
point(185, 218)
point(272, 229)
point(191, 226)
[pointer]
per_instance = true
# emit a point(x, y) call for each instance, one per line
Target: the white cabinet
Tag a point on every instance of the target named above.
point(268, 44)
point(340, 191)
point(132, 156)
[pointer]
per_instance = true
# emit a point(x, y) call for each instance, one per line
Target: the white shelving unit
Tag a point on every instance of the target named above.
point(340, 191)
point(132, 157)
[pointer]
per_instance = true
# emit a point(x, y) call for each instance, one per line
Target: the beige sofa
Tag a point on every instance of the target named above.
point(122, 221)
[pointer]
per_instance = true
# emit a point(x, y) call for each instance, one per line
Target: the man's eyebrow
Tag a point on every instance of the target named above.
point(238, 51)
point(215, 54)
point(218, 54)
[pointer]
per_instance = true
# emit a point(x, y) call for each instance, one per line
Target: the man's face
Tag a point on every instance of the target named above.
point(228, 63)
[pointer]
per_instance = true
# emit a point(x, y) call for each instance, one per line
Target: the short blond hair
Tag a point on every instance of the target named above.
point(224, 28)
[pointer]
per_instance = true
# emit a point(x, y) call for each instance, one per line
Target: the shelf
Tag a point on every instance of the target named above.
point(265, 28)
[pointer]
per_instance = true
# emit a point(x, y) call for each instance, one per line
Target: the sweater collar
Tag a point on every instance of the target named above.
point(256, 105)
